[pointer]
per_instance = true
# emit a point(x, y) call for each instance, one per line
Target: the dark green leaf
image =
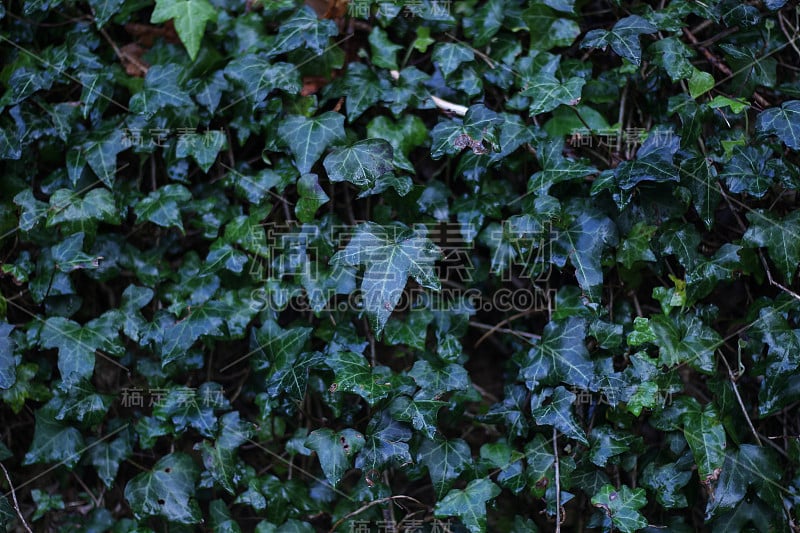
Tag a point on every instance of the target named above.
point(445, 460)
point(783, 122)
point(335, 451)
point(360, 164)
point(622, 506)
point(469, 504)
point(167, 490)
point(391, 254)
point(623, 38)
point(309, 137)
point(558, 413)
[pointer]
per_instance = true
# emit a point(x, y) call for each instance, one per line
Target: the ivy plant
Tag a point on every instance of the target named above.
point(399, 265)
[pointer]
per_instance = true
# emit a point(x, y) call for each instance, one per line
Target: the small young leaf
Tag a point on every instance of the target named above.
point(190, 18)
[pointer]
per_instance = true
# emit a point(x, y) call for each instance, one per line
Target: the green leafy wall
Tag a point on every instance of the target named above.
point(504, 265)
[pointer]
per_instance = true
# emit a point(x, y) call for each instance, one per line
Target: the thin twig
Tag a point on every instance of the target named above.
point(372, 504)
point(763, 259)
point(525, 334)
point(739, 400)
point(791, 39)
point(14, 497)
point(720, 65)
point(558, 481)
point(499, 325)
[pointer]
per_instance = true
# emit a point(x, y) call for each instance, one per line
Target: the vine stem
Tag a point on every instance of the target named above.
point(371, 504)
point(14, 497)
point(558, 482)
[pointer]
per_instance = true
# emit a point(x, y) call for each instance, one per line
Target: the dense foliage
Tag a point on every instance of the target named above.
point(402, 265)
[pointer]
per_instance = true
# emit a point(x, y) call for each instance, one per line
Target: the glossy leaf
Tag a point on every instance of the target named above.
point(335, 451)
point(391, 254)
point(166, 490)
point(623, 38)
point(469, 504)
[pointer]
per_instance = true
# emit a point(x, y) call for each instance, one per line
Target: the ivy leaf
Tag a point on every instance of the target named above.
point(180, 335)
point(449, 137)
point(309, 137)
point(361, 87)
point(335, 450)
point(8, 364)
point(203, 147)
point(548, 29)
point(555, 167)
point(312, 196)
point(751, 170)
point(445, 460)
point(778, 236)
point(259, 76)
point(161, 207)
point(54, 442)
point(353, 374)
point(607, 443)
point(436, 380)
point(783, 122)
point(510, 412)
point(404, 135)
point(672, 55)
point(623, 38)
point(622, 506)
point(706, 437)
point(167, 490)
point(97, 204)
point(666, 482)
point(190, 18)
point(220, 459)
point(101, 154)
point(583, 242)
point(391, 254)
point(385, 443)
point(636, 246)
point(360, 164)
point(161, 89)
point(449, 56)
point(304, 28)
point(107, 456)
point(31, 210)
point(649, 166)
point(749, 466)
point(104, 10)
point(469, 504)
point(76, 345)
point(280, 346)
point(292, 378)
point(558, 413)
point(560, 355)
point(420, 412)
point(547, 92)
point(384, 51)
point(700, 83)
point(69, 255)
point(683, 339)
point(699, 175)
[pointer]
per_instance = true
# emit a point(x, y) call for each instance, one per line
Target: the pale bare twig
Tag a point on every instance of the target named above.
point(14, 497)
